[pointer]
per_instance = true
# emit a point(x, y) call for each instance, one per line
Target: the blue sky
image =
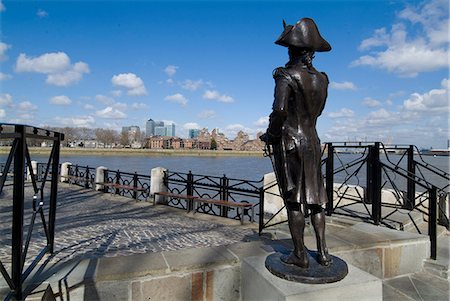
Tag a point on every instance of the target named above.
point(209, 64)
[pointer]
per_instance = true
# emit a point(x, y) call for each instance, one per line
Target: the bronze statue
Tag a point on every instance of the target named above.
point(300, 96)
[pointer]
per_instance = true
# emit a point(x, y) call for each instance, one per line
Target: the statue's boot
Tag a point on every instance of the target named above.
point(300, 260)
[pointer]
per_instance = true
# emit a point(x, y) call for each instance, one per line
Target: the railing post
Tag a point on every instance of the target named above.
point(117, 182)
point(432, 220)
point(135, 185)
point(18, 208)
point(411, 185)
point(224, 195)
point(261, 209)
point(53, 192)
point(190, 189)
point(87, 180)
point(374, 181)
point(330, 178)
point(105, 180)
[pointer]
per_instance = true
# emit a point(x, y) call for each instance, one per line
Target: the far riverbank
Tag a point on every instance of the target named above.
point(138, 152)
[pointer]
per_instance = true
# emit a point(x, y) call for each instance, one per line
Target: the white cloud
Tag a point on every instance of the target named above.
point(215, 95)
point(130, 81)
point(344, 112)
point(207, 114)
point(170, 81)
point(110, 113)
point(41, 13)
point(3, 48)
point(104, 99)
point(116, 93)
point(191, 84)
point(119, 105)
point(2, 113)
point(191, 125)
point(436, 100)
point(232, 130)
point(57, 66)
point(26, 106)
point(408, 55)
point(78, 121)
point(139, 106)
point(371, 103)
point(88, 107)
point(171, 70)
point(263, 121)
point(60, 100)
point(2, 6)
point(177, 98)
point(4, 76)
point(5, 99)
point(343, 86)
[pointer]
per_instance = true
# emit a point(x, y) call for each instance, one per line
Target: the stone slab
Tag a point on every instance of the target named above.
point(260, 284)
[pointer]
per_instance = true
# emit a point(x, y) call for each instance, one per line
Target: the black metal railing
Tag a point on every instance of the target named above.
point(18, 163)
point(213, 187)
point(115, 182)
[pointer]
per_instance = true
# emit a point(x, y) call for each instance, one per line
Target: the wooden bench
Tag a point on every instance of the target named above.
point(124, 187)
point(188, 198)
point(240, 207)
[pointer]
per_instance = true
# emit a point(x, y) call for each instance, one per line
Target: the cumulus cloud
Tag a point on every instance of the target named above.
point(263, 121)
point(215, 95)
point(191, 125)
point(26, 106)
point(41, 13)
point(57, 66)
point(399, 52)
point(4, 76)
point(343, 86)
point(139, 106)
point(436, 100)
point(232, 130)
point(104, 99)
point(342, 113)
point(78, 121)
point(61, 100)
point(88, 107)
point(3, 48)
point(110, 113)
point(171, 70)
point(5, 99)
point(177, 98)
point(371, 103)
point(2, 113)
point(191, 85)
point(130, 81)
point(207, 114)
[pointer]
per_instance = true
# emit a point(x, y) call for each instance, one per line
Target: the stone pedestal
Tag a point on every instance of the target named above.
point(65, 171)
point(100, 177)
point(259, 284)
point(34, 168)
point(157, 184)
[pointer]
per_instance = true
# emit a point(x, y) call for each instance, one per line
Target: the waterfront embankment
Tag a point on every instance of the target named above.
point(139, 152)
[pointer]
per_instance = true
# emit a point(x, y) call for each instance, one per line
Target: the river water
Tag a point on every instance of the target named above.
point(240, 167)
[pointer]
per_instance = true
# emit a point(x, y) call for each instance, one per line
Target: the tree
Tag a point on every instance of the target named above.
point(213, 144)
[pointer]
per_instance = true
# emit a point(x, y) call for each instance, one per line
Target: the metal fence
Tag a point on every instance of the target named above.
point(213, 187)
point(18, 163)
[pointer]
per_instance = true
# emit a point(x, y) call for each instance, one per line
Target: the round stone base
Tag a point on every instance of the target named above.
point(314, 274)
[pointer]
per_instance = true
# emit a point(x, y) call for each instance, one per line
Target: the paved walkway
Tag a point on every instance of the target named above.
point(92, 224)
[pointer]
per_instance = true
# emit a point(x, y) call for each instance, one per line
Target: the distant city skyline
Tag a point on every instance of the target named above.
point(208, 64)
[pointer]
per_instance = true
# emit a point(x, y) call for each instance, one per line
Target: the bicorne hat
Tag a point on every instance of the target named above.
point(304, 34)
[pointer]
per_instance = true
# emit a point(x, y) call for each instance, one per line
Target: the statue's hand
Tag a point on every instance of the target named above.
point(269, 138)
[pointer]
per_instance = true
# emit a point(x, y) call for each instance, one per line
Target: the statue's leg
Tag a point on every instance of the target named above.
point(296, 220)
point(318, 222)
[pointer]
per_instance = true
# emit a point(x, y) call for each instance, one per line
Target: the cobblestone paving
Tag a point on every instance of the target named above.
point(92, 224)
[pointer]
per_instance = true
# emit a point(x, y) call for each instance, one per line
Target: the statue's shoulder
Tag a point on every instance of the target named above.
point(326, 76)
point(281, 73)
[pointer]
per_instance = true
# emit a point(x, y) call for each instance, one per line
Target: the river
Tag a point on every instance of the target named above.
point(242, 167)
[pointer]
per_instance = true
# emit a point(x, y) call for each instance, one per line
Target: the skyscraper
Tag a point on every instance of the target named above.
point(150, 126)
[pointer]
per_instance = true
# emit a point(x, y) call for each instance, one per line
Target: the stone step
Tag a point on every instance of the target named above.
point(441, 266)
